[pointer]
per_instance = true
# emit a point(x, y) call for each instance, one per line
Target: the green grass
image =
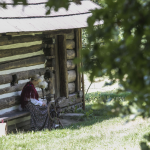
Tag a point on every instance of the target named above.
point(96, 131)
point(106, 96)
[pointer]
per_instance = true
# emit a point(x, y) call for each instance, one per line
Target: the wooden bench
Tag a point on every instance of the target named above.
point(16, 120)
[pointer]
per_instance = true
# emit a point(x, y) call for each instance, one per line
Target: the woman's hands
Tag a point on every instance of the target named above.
point(43, 104)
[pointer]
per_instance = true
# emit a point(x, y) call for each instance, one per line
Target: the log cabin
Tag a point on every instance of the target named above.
point(34, 43)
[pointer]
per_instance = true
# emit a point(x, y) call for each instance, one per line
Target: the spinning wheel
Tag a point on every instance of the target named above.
point(54, 115)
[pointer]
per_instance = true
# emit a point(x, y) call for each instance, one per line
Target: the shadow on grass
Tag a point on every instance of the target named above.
point(91, 117)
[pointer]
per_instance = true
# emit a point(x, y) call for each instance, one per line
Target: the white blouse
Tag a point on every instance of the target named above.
point(36, 102)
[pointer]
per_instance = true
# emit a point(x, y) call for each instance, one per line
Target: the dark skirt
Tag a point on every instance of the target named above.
point(39, 117)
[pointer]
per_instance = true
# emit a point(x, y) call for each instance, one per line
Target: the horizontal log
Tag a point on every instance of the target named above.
point(9, 101)
point(18, 125)
point(18, 120)
point(21, 75)
point(72, 99)
point(71, 108)
point(70, 54)
point(7, 40)
point(70, 35)
point(10, 89)
point(19, 51)
point(71, 76)
point(70, 65)
point(14, 100)
point(17, 87)
point(49, 34)
point(23, 33)
point(23, 63)
point(71, 88)
point(70, 44)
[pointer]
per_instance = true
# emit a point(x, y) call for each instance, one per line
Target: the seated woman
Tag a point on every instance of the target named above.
point(38, 110)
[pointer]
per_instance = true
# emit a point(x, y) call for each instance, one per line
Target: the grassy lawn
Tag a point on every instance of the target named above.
point(95, 132)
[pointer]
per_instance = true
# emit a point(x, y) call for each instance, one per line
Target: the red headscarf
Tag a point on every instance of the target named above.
point(28, 92)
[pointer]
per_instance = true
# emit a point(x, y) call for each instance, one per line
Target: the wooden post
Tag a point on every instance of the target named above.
point(57, 80)
point(63, 65)
point(78, 46)
point(83, 98)
point(81, 78)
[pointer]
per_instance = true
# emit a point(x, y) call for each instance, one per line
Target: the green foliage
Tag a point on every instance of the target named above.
point(89, 113)
point(125, 53)
point(106, 96)
point(56, 5)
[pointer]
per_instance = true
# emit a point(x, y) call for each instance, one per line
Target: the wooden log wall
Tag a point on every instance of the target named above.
point(25, 55)
point(61, 61)
point(71, 54)
point(21, 57)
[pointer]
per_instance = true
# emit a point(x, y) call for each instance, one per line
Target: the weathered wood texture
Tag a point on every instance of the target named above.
point(48, 45)
point(52, 84)
point(70, 54)
point(48, 51)
point(70, 65)
point(72, 99)
point(17, 87)
point(71, 108)
point(70, 44)
point(63, 65)
point(23, 33)
point(18, 126)
point(83, 98)
point(19, 51)
point(10, 89)
point(71, 88)
point(49, 34)
point(57, 79)
point(14, 100)
point(50, 63)
point(23, 63)
point(21, 75)
point(12, 115)
point(7, 40)
point(9, 101)
point(71, 76)
point(47, 41)
point(78, 46)
point(18, 120)
point(46, 33)
point(70, 36)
